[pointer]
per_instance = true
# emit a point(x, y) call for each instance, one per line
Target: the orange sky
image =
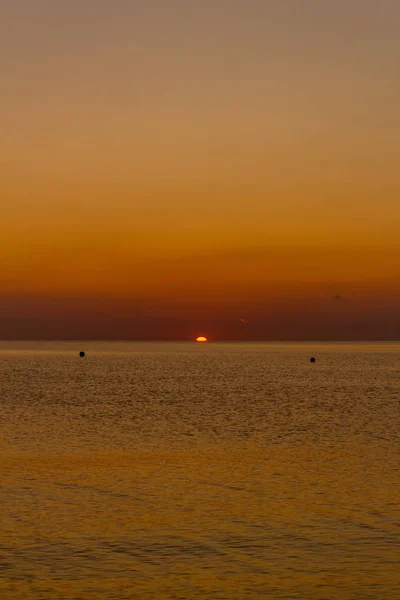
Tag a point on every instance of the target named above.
point(179, 166)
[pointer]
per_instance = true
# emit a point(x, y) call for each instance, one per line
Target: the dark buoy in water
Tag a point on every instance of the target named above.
point(312, 359)
point(81, 354)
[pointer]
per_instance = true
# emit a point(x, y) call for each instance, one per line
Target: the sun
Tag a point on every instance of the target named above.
point(201, 338)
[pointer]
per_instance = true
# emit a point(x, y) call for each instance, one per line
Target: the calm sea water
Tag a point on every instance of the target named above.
point(216, 471)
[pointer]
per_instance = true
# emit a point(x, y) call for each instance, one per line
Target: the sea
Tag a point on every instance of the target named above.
point(210, 471)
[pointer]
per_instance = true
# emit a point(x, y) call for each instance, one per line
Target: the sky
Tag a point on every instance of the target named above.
point(227, 168)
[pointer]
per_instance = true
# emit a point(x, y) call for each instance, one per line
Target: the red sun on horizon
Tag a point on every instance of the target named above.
point(201, 338)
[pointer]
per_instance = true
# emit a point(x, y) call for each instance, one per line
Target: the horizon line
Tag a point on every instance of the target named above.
point(116, 340)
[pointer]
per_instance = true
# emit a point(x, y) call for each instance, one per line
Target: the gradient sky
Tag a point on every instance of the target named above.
point(168, 168)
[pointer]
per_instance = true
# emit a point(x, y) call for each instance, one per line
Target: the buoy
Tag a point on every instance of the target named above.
point(312, 359)
point(81, 354)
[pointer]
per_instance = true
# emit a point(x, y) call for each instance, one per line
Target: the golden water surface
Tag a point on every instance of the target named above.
point(173, 471)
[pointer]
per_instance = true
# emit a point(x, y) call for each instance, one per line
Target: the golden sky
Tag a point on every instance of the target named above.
point(181, 165)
